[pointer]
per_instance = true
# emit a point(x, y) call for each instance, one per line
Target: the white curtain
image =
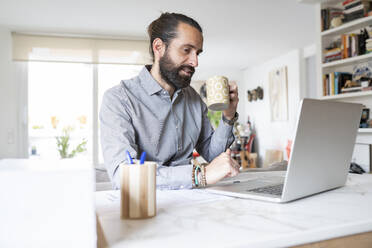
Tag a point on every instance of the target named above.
point(79, 50)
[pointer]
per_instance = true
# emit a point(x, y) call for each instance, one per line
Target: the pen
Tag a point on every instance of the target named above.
point(129, 158)
point(143, 157)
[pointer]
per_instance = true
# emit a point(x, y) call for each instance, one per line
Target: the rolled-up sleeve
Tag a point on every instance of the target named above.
point(174, 177)
point(167, 178)
point(211, 142)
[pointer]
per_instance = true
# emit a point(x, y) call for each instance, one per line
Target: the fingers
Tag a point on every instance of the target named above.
point(233, 171)
point(234, 168)
point(234, 97)
point(233, 89)
point(233, 92)
point(228, 151)
point(233, 85)
point(235, 164)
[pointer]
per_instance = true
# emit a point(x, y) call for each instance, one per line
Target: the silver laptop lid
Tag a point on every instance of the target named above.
point(322, 147)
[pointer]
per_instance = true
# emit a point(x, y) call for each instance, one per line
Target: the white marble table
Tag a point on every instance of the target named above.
point(195, 218)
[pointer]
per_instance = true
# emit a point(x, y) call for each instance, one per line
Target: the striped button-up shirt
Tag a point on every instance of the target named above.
point(139, 115)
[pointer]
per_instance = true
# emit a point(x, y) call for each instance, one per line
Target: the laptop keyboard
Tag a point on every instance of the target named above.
point(271, 190)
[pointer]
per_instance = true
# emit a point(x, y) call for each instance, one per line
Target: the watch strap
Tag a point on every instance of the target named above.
point(232, 121)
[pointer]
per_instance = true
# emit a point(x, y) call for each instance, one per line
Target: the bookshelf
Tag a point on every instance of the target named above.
point(323, 40)
point(347, 95)
point(365, 130)
point(348, 61)
point(347, 27)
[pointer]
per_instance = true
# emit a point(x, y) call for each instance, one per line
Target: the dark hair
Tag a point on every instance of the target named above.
point(165, 27)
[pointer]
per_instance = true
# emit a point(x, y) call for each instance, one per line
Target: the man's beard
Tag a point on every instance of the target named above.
point(171, 73)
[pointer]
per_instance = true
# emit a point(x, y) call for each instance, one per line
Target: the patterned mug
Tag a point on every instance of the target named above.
point(218, 97)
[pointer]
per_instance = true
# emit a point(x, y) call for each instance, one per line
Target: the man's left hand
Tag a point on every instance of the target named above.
point(229, 113)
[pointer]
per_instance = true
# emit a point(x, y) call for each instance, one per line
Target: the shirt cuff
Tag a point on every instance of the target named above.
point(174, 177)
point(224, 130)
point(167, 177)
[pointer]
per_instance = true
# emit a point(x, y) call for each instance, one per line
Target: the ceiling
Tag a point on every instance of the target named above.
point(237, 33)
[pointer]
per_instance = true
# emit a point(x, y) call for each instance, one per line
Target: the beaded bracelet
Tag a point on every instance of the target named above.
point(193, 175)
point(197, 170)
point(203, 177)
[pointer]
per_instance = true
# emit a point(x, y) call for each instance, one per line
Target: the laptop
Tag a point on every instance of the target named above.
point(320, 157)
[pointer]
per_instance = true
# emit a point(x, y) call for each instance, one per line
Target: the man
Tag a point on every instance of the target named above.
point(158, 112)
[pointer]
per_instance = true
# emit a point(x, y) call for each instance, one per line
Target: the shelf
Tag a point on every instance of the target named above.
point(348, 61)
point(319, 1)
point(348, 27)
point(347, 95)
point(365, 130)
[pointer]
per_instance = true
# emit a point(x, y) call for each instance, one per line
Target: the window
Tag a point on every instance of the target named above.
point(64, 79)
point(61, 102)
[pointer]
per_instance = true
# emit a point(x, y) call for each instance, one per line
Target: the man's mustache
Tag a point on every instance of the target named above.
point(190, 68)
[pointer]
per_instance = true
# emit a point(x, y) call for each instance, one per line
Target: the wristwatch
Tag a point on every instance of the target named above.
point(232, 121)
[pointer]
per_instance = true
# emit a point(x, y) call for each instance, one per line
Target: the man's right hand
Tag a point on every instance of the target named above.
point(221, 167)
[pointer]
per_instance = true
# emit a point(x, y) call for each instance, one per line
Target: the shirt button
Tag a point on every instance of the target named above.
point(176, 127)
point(179, 148)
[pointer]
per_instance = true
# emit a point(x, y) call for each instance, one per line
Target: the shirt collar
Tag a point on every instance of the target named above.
point(148, 82)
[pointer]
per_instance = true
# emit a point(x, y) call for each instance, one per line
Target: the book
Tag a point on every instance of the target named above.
point(353, 50)
point(367, 88)
point(332, 83)
point(344, 39)
point(333, 56)
point(352, 4)
point(361, 44)
point(336, 75)
point(357, 9)
point(327, 15)
point(352, 89)
point(353, 16)
point(332, 51)
point(324, 85)
point(347, 2)
point(354, 9)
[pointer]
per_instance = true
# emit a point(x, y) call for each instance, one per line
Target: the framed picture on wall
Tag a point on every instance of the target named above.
point(278, 94)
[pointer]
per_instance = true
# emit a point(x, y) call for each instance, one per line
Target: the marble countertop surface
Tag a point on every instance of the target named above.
point(196, 218)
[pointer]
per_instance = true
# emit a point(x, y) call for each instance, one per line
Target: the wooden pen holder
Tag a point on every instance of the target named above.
point(138, 190)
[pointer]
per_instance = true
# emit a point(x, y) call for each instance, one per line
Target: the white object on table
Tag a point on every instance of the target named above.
point(46, 204)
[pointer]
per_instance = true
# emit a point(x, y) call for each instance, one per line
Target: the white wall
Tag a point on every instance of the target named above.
point(8, 99)
point(205, 72)
point(272, 135)
point(311, 79)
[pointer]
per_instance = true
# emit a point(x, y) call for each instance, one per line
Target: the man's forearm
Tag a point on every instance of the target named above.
point(167, 177)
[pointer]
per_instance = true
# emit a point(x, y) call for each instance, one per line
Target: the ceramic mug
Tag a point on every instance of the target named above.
point(218, 97)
